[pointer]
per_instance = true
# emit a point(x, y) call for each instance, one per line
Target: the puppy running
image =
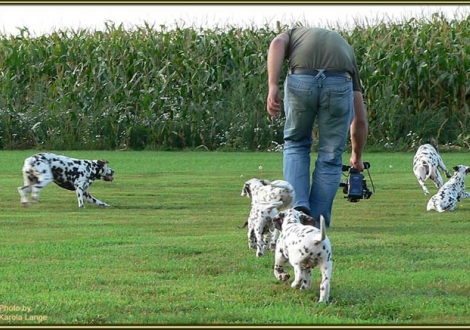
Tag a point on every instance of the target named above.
point(267, 192)
point(426, 165)
point(260, 225)
point(304, 247)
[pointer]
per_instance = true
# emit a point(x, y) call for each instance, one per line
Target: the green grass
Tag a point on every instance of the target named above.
point(168, 251)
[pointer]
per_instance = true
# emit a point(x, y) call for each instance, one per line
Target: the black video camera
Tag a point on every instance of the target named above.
point(355, 186)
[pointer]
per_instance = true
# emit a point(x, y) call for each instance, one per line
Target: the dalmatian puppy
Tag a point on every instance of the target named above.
point(41, 169)
point(265, 191)
point(451, 192)
point(260, 225)
point(426, 165)
point(304, 247)
point(260, 190)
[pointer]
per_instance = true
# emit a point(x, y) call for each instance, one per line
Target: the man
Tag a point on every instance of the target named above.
point(322, 84)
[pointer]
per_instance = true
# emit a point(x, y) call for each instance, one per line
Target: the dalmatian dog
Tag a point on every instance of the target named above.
point(304, 247)
point(260, 225)
point(69, 173)
point(451, 192)
point(426, 165)
point(260, 190)
point(265, 191)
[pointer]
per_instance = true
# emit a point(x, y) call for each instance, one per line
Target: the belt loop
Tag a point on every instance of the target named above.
point(320, 77)
point(320, 74)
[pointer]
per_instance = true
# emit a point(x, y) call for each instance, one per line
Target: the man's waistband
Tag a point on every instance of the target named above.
point(313, 72)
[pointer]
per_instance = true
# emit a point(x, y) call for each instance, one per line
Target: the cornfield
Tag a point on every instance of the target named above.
point(191, 87)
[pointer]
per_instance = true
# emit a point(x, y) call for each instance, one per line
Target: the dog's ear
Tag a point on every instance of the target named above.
point(455, 168)
point(307, 220)
point(265, 182)
point(278, 219)
point(247, 190)
point(101, 163)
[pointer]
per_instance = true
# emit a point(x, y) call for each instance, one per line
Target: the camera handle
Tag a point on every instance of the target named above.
point(346, 168)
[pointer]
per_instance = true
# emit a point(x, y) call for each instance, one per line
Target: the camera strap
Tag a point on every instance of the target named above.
point(372, 182)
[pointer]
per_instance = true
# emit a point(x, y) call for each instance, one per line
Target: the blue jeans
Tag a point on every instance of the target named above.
point(329, 100)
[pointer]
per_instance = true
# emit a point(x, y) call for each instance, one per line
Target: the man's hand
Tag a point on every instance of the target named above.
point(274, 102)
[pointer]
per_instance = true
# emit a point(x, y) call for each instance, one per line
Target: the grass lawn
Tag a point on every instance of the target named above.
point(169, 251)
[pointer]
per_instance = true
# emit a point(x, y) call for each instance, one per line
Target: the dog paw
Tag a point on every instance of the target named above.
point(103, 205)
point(284, 276)
point(25, 204)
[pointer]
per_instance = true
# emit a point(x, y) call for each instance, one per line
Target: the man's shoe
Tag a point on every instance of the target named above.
point(303, 209)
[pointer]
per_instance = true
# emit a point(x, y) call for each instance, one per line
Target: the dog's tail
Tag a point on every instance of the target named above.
point(433, 142)
point(322, 234)
point(429, 171)
point(271, 204)
point(322, 227)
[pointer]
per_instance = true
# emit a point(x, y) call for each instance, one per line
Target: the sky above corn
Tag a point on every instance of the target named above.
point(46, 18)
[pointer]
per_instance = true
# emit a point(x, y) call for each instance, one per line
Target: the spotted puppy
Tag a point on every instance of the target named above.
point(304, 247)
point(41, 169)
point(265, 191)
point(260, 225)
point(260, 190)
point(451, 192)
point(426, 165)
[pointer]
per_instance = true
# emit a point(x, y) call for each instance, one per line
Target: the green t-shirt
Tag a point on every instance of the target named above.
point(318, 48)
